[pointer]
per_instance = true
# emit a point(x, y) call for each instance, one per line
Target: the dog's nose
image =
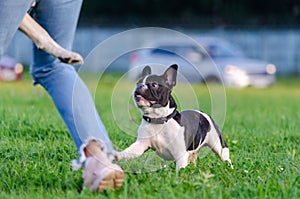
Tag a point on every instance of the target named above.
point(141, 87)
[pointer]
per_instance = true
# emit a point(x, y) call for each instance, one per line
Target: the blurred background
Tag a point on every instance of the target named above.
point(262, 30)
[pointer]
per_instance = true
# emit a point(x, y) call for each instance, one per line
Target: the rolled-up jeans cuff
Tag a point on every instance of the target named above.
point(78, 163)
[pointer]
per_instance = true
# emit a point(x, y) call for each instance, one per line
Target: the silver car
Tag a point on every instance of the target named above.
point(211, 60)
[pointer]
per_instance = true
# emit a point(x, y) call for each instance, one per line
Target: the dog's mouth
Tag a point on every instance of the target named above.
point(139, 97)
point(141, 101)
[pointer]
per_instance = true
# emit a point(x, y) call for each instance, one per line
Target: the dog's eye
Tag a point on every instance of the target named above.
point(154, 85)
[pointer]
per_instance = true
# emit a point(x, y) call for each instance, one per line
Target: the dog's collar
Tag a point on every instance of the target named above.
point(160, 120)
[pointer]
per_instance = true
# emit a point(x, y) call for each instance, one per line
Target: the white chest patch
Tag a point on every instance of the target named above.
point(166, 139)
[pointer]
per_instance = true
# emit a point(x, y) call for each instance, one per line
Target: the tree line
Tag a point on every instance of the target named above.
point(194, 13)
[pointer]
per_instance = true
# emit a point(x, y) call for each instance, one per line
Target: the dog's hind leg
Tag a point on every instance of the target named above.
point(44, 41)
point(217, 143)
point(225, 156)
point(214, 142)
point(193, 155)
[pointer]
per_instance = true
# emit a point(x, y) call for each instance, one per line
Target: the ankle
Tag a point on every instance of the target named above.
point(92, 149)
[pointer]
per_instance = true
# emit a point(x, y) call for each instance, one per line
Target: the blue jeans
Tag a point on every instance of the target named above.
point(69, 93)
point(11, 15)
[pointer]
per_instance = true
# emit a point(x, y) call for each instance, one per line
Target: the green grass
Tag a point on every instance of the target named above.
point(262, 128)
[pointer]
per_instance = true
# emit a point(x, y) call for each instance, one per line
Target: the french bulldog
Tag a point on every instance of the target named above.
point(172, 134)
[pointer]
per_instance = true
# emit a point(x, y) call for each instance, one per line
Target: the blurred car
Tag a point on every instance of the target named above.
point(212, 60)
point(10, 69)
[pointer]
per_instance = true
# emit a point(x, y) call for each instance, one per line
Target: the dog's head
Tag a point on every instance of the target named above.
point(154, 91)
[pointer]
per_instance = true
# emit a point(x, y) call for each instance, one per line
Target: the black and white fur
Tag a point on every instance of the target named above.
point(173, 135)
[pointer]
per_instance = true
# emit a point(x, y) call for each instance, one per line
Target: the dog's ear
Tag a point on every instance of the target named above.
point(146, 71)
point(170, 75)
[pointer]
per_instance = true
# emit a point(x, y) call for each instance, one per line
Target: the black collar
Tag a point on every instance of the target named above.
point(160, 120)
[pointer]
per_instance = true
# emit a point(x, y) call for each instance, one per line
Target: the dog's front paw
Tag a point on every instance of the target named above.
point(124, 155)
point(118, 155)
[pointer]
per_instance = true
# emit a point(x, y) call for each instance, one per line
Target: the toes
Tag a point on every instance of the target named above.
point(112, 181)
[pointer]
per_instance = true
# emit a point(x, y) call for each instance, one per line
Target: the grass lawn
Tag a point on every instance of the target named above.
point(262, 128)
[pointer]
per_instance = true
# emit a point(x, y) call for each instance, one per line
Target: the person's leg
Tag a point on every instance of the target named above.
point(12, 13)
point(70, 95)
point(72, 98)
